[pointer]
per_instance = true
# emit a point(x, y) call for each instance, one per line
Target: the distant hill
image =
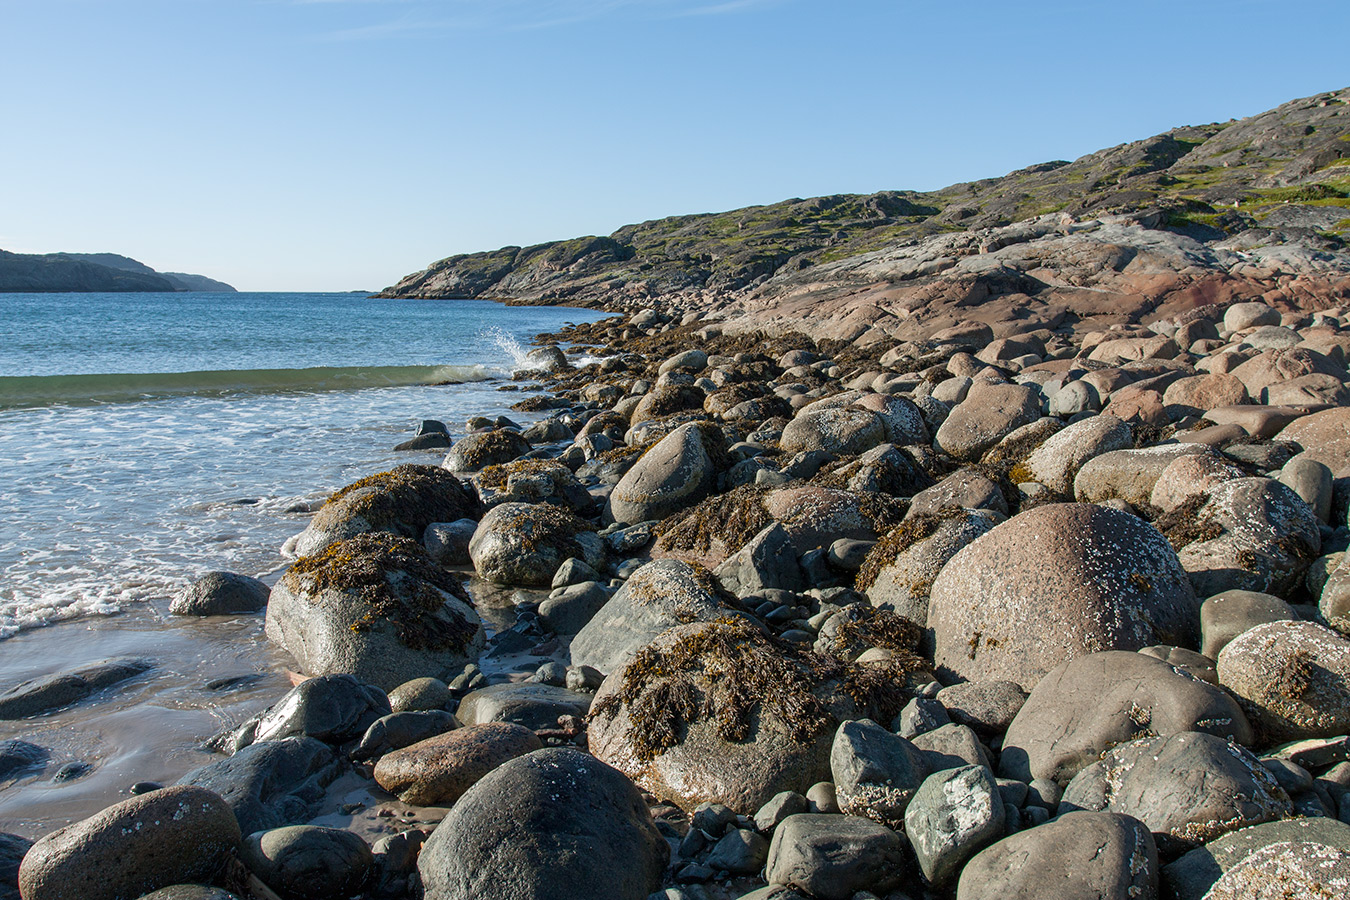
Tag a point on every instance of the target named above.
point(93, 273)
point(1210, 181)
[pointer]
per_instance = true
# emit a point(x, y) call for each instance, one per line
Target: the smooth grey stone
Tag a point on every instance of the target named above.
point(431, 441)
point(420, 694)
point(535, 706)
point(185, 892)
point(221, 594)
point(821, 797)
point(50, 692)
point(951, 747)
point(1079, 856)
point(448, 542)
point(551, 673)
point(402, 729)
point(574, 571)
point(19, 757)
point(740, 852)
point(568, 610)
point(273, 783)
point(833, 857)
point(584, 679)
point(552, 823)
point(12, 851)
point(309, 862)
point(778, 808)
point(332, 708)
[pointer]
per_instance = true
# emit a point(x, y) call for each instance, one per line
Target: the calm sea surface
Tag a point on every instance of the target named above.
point(147, 438)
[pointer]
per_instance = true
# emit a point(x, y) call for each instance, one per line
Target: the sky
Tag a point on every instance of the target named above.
point(332, 145)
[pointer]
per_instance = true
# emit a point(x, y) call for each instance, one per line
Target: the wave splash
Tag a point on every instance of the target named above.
point(47, 390)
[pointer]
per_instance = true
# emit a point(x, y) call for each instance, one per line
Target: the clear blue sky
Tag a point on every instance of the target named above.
point(339, 144)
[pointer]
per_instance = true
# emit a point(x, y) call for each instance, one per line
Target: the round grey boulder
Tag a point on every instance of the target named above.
point(477, 451)
point(554, 823)
point(989, 413)
point(1225, 616)
point(676, 473)
point(309, 862)
point(174, 835)
point(832, 857)
point(221, 594)
point(1078, 856)
point(1055, 583)
point(843, 432)
point(1056, 462)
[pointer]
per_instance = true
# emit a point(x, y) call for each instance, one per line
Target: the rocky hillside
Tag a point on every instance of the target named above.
point(94, 273)
point(1197, 198)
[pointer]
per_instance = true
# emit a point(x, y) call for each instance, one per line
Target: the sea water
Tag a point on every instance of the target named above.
point(148, 438)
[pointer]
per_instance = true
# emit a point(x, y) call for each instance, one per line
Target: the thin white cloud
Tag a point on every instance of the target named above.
point(429, 17)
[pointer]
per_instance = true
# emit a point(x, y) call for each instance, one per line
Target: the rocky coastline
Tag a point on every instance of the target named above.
point(1019, 608)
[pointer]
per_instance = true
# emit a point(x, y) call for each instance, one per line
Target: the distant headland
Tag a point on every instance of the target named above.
point(93, 273)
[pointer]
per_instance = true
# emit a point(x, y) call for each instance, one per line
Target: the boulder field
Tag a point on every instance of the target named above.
point(1032, 612)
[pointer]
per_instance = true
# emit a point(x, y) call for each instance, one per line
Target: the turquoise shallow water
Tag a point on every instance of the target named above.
point(145, 439)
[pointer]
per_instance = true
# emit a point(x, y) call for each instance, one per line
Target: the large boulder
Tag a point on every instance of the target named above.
point(719, 711)
point(833, 857)
point(1085, 706)
point(1188, 788)
point(437, 771)
point(174, 835)
point(1191, 876)
point(1266, 538)
point(374, 606)
point(402, 501)
point(678, 472)
point(1292, 678)
point(660, 595)
point(988, 414)
point(482, 449)
point(1054, 583)
point(553, 823)
point(1078, 856)
point(525, 543)
point(900, 417)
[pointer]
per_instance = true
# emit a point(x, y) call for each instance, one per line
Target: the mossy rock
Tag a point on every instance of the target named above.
point(402, 502)
point(375, 606)
point(668, 399)
point(486, 448)
point(525, 543)
point(719, 711)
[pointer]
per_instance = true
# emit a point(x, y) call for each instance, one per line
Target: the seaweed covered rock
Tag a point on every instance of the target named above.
point(1088, 705)
point(666, 400)
point(1266, 538)
point(714, 529)
point(1187, 788)
point(402, 501)
point(815, 517)
point(374, 606)
point(1077, 856)
point(1292, 678)
point(533, 481)
point(485, 448)
point(719, 711)
point(525, 543)
point(840, 431)
point(900, 569)
point(662, 594)
point(553, 823)
point(1054, 583)
point(850, 632)
point(169, 836)
point(676, 473)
